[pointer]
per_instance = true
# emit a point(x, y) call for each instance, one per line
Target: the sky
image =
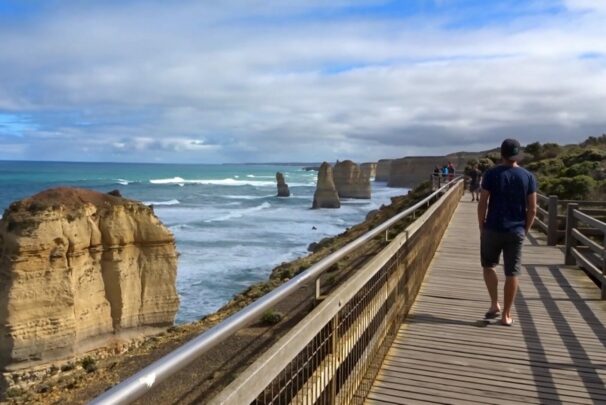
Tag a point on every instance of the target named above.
point(285, 80)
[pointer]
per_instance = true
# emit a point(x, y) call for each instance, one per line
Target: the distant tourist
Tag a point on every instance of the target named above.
point(507, 209)
point(475, 176)
point(451, 171)
point(445, 170)
point(436, 176)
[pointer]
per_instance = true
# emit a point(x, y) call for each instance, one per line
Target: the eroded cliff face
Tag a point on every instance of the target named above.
point(77, 265)
point(383, 169)
point(371, 167)
point(351, 181)
point(283, 190)
point(411, 171)
point(326, 195)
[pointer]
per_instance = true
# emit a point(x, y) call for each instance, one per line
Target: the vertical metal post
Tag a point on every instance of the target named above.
point(318, 289)
point(552, 220)
point(335, 359)
point(571, 223)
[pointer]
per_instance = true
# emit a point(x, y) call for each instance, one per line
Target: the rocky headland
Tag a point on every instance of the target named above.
point(382, 170)
point(412, 170)
point(78, 267)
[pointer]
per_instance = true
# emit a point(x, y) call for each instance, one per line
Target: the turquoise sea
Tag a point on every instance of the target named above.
point(230, 227)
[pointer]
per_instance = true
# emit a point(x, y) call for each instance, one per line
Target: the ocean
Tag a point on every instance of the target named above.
point(230, 227)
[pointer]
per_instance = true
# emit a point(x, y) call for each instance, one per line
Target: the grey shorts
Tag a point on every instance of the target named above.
point(492, 243)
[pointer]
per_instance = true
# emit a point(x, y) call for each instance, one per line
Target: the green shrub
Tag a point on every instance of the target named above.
point(577, 169)
point(584, 155)
point(534, 149)
point(570, 188)
point(271, 317)
point(550, 167)
point(89, 364)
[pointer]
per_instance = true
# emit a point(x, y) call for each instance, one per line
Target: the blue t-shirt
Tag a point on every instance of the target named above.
point(509, 188)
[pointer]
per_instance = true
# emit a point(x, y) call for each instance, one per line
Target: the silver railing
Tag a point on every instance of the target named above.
point(144, 380)
point(333, 355)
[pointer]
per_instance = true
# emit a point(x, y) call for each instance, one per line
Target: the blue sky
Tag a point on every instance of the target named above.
point(234, 81)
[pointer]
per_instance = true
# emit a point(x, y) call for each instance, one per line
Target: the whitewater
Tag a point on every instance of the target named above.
point(230, 227)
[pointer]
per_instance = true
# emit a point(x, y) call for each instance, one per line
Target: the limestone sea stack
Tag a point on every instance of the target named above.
point(76, 267)
point(383, 169)
point(326, 195)
point(283, 190)
point(351, 181)
point(371, 167)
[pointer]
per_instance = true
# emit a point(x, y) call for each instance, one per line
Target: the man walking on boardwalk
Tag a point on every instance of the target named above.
point(506, 211)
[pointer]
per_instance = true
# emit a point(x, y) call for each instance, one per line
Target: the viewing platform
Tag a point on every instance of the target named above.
point(444, 352)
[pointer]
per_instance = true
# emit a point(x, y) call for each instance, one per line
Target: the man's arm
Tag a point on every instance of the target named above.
point(531, 210)
point(482, 208)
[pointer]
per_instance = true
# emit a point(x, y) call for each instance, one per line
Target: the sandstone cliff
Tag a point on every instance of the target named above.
point(283, 190)
point(76, 266)
point(371, 167)
point(326, 194)
point(383, 168)
point(410, 171)
point(351, 181)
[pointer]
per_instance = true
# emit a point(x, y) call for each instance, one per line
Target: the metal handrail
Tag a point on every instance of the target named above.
point(141, 382)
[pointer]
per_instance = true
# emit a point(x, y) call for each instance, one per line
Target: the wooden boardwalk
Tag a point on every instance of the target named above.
point(554, 353)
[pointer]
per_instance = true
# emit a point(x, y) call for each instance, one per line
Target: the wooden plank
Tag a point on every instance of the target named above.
point(444, 353)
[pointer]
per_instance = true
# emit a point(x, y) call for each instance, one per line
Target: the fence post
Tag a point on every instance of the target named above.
point(571, 223)
point(552, 221)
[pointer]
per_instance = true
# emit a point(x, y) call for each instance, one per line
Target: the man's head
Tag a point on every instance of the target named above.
point(510, 150)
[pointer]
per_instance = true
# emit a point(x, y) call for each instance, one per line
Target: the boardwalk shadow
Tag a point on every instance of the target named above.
point(432, 319)
point(580, 360)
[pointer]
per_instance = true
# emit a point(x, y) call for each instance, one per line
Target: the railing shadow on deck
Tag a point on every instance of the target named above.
point(580, 360)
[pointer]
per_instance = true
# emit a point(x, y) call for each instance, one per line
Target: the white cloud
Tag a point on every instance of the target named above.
point(231, 83)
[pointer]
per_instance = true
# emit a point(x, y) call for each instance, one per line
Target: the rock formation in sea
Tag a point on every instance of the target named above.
point(351, 181)
point(283, 190)
point(326, 195)
point(383, 168)
point(77, 267)
point(372, 168)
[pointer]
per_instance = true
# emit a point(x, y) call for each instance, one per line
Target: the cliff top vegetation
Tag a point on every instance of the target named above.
point(573, 172)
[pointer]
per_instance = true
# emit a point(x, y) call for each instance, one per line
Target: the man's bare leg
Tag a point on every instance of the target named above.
point(492, 284)
point(511, 287)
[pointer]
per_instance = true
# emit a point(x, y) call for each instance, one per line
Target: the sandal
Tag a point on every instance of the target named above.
point(492, 314)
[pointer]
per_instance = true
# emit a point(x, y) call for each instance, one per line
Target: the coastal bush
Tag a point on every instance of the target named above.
point(540, 152)
point(571, 188)
point(533, 149)
point(551, 167)
point(89, 364)
point(577, 169)
point(271, 317)
point(14, 392)
point(595, 141)
point(591, 155)
point(483, 165)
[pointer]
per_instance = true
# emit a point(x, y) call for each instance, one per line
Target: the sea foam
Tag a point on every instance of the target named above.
point(169, 202)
